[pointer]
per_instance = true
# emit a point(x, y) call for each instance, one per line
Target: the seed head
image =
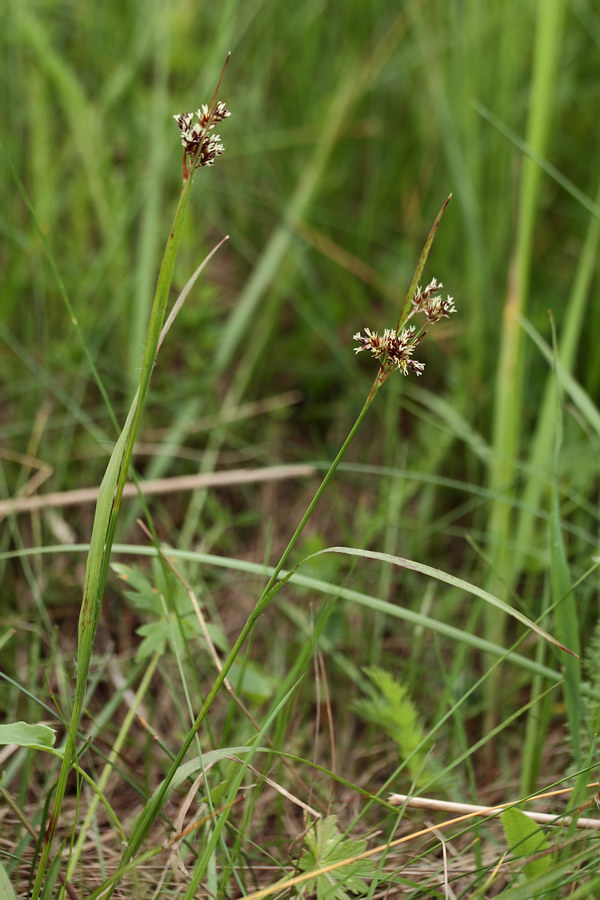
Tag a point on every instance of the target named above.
point(429, 301)
point(393, 350)
point(197, 139)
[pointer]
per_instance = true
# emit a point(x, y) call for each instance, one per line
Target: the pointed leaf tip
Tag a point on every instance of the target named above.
point(421, 263)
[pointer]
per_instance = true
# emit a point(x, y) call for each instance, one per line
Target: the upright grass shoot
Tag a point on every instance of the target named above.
point(200, 148)
point(507, 434)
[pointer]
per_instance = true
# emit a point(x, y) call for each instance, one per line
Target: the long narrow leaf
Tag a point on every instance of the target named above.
point(417, 619)
point(105, 521)
point(451, 580)
point(578, 395)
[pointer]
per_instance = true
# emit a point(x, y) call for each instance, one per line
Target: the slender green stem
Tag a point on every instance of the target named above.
point(109, 767)
point(154, 805)
point(319, 492)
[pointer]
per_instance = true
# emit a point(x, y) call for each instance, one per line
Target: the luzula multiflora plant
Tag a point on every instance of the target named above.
point(200, 148)
point(393, 350)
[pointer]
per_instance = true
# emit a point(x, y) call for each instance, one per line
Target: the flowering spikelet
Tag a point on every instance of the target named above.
point(392, 349)
point(197, 139)
point(429, 301)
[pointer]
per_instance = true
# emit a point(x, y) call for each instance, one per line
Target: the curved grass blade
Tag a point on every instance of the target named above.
point(325, 587)
point(451, 580)
point(105, 521)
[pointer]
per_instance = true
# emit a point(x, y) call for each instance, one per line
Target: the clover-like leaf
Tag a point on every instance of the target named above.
point(324, 846)
point(163, 597)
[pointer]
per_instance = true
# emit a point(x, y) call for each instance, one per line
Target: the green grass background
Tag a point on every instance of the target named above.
point(350, 125)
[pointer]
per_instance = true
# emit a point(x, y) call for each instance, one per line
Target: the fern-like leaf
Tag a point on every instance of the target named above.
point(389, 705)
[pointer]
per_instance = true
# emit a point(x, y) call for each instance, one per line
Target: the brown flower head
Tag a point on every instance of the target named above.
point(429, 301)
point(198, 140)
point(393, 350)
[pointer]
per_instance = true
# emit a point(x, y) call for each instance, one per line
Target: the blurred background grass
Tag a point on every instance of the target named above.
point(350, 125)
point(347, 130)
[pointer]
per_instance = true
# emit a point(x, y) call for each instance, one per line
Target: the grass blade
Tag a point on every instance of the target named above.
point(105, 520)
point(452, 581)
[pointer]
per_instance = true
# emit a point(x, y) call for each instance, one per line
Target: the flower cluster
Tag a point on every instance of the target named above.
point(393, 350)
point(197, 139)
point(429, 301)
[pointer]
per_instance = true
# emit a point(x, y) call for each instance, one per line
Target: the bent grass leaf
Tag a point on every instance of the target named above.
point(325, 587)
point(206, 761)
point(451, 580)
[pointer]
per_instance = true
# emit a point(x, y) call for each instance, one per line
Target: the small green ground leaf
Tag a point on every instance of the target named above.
point(326, 846)
point(155, 635)
point(251, 680)
point(25, 735)
point(526, 838)
point(6, 888)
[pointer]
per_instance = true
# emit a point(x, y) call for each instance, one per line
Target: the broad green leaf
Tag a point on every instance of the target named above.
point(6, 888)
point(525, 838)
point(24, 735)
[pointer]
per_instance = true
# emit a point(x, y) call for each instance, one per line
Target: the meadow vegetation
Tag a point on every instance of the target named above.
point(259, 591)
